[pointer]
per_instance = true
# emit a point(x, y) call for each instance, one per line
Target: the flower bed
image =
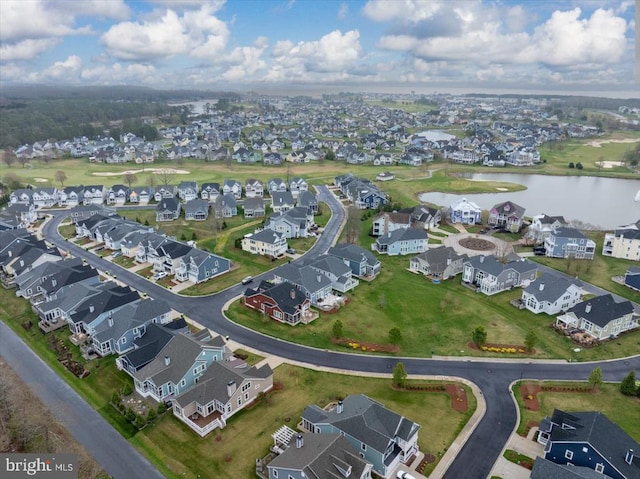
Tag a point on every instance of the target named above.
point(366, 347)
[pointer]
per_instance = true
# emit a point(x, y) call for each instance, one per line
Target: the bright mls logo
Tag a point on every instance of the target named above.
point(51, 466)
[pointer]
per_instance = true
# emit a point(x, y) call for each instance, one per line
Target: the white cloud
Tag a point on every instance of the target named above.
point(343, 11)
point(117, 73)
point(196, 32)
point(64, 69)
point(26, 49)
point(402, 10)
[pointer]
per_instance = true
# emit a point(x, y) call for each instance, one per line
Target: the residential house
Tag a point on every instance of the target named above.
point(71, 196)
point(196, 209)
point(542, 226)
point(147, 250)
point(225, 206)
point(198, 266)
point(402, 241)
point(363, 194)
point(168, 209)
point(118, 195)
point(94, 195)
point(622, 243)
point(382, 437)
point(276, 184)
point(297, 185)
point(308, 200)
point(600, 317)
point(141, 195)
point(319, 455)
point(363, 263)
point(210, 191)
point(224, 389)
point(44, 197)
point(440, 263)
point(232, 187)
point(29, 284)
point(266, 242)
point(22, 255)
point(272, 158)
point(282, 302)
point(465, 212)
point(114, 236)
point(632, 278)
point(551, 294)
point(21, 196)
point(507, 215)
point(167, 257)
point(282, 201)
point(254, 208)
point(188, 190)
point(385, 223)
point(566, 242)
point(423, 216)
point(491, 276)
point(294, 223)
point(23, 215)
point(588, 439)
point(86, 228)
point(164, 191)
point(82, 213)
point(253, 188)
point(313, 284)
point(340, 274)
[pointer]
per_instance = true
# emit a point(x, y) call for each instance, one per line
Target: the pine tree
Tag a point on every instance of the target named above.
point(628, 384)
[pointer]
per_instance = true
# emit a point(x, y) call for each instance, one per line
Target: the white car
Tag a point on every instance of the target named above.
point(404, 475)
point(159, 275)
point(247, 280)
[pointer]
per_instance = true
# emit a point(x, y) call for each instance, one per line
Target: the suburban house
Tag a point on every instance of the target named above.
point(84, 212)
point(44, 197)
point(542, 226)
point(600, 317)
point(551, 294)
point(440, 263)
point(198, 266)
point(566, 242)
point(385, 223)
point(382, 437)
point(622, 243)
point(210, 191)
point(166, 258)
point(283, 302)
point(294, 223)
point(313, 284)
point(221, 391)
point(141, 195)
point(114, 236)
point(71, 196)
point(507, 216)
point(94, 195)
point(266, 243)
point(177, 365)
point(254, 208)
point(225, 206)
point(276, 184)
point(22, 196)
point(253, 188)
point(589, 439)
point(232, 187)
point(363, 263)
point(423, 216)
point(492, 276)
point(196, 209)
point(308, 200)
point(21, 215)
point(319, 455)
point(188, 190)
point(632, 278)
point(297, 185)
point(465, 212)
point(282, 201)
point(402, 241)
point(42, 282)
point(164, 191)
point(337, 271)
point(118, 195)
point(168, 209)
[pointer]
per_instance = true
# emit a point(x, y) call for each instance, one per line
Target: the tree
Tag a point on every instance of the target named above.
point(530, 340)
point(129, 179)
point(61, 177)
point(12, 181)
point(628, 384)
point(572, 165)
point(8, 158)
point(479, 336)
point(399, 375)
point(166, 176)
point(595, 378)
point(579, 166)
point(338, 330)
point(395, 336)
point(23, 160)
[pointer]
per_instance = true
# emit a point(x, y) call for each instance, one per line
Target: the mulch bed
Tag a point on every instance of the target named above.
point(529, 393)
point(368, 347)
point(518, 347)
point(458, 397)
point(477, 244)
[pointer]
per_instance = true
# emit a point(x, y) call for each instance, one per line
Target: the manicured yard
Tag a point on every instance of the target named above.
point(621, 409)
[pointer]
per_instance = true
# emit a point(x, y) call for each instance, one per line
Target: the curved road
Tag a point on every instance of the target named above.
point(483, 446)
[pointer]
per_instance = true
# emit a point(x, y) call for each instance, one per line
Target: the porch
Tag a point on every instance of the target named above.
point(203, 425)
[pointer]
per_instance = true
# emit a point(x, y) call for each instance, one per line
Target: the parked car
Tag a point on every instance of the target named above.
point(291, 251)
point(247, 280)
point(404, 475)
point(115, 254)
point(159, 275)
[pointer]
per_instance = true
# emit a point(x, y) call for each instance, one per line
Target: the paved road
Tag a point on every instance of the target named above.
point(116, 456)
point(476, 458)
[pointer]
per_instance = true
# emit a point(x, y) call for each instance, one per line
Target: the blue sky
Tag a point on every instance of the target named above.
point(427, 45)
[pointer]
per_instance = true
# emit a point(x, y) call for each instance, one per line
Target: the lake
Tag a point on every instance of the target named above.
point(604, 202)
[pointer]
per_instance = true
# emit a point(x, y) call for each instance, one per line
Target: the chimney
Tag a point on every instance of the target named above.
point(231, 388)
point(54, 282)
point(293, 293)
point(482, 258)
point(299, 441)
point(628, 458)
point(110, 319)
point(587, 308)
point(91, 308)
point(319, 278)
point(541, 286)
point(10, 253)
point(167, 360)
point(340, 407)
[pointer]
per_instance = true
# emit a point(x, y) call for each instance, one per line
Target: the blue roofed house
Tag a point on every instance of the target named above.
point(168, 209)
point(551, 294)
point(363, 263)
point(566, 242)
point(632, 278)
point(198, 266)
point(491, 276)
point(401, 242)
point(381, 436)
point(591, 440)
point(465, 212)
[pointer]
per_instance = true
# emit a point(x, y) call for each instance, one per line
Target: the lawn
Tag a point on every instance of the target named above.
point(621, 409)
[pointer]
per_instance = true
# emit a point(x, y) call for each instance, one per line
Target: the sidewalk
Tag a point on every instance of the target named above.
point(523, 445)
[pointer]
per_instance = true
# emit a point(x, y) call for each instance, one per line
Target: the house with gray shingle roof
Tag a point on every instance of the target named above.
point(225, 206)
point(622, 243)
point(507, 215)
point(491, 276)
point(188, 190)
point(168, 209)
point(210, 191)
point(337, 271)
point(319, 455)
point(198, 266)
point(385, 222)
point(363, 263)
point(315, 285)
point(254, 208)
point(266, 243)
point(308, 200)
point(402, 241)
point(282, 201)
point(294, 223)
point(565, 242)
point(224, 389)
point(442, 262)
point(196, 209)
point(384, 438)
point(551, 294)
point(544, 469)
point(600, 317)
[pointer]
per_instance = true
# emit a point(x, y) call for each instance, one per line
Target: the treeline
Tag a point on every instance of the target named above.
point(27, 121)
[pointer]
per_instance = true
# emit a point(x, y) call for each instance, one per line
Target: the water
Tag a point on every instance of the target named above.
point(604, 202)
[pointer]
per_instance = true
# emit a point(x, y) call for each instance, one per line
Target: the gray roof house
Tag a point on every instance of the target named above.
point(551, 294)
point(308, 200)
point(254, 208)
point(266, 243)
point(210, 191)
point(198, 266)
point(385, 438)
point(282, 201)
point(542, 225)
point(441, 263)
point(337, 271)
point(507, 215)
point(232, 187)
point(565, 242)
point(253, 188)
point(141, 194)
point(196, 209)
point(402, 241)
point(188, 190)
point(544, 469)
point(294, 223)
point(225, 206)
point(168, 209)
point(315, 285)
point(224, 389)
point(385, 222)
point(363, 263)
point(319, 455)
point(492, 276)
point(600, 317)
point(276, 184)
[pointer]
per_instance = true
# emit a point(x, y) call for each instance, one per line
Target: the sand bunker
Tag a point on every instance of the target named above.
point(599, 143)
point(609, 164)
point(502, 189)
point(40, 180)
point(155, 171)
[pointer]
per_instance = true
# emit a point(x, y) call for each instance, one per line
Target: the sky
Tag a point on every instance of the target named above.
point(289, 45)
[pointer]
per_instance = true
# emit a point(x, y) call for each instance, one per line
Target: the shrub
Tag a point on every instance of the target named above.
point(127, 390)
point(162, 407)
point(628, 384)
